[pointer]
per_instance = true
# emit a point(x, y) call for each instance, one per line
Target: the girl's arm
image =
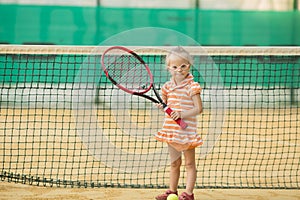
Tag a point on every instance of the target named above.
point(197, 109)
point(159, 105)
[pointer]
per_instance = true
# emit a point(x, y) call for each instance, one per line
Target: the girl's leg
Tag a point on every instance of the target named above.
point(176, 161)
point(190, 165)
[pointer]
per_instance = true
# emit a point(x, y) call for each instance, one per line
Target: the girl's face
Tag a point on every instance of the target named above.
point(178, 67)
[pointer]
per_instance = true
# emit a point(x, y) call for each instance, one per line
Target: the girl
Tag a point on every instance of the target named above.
point(181, 94)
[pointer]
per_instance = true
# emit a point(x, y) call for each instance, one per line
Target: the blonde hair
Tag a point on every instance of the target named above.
point(180, 52)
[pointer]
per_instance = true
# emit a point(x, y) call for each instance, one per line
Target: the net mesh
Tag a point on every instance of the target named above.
point(63, 123)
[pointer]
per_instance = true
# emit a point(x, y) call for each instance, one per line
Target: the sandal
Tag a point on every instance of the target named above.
point(186, 196)
point(165, 195)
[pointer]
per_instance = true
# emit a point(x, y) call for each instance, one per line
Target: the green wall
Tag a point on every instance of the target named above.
point(91, 25)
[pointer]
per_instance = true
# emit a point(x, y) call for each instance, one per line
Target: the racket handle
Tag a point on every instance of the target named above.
point(179, 121)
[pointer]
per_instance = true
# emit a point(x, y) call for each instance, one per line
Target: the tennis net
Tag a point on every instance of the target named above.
point(63, 123)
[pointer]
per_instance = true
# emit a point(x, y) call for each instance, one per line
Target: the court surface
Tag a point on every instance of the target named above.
point(19, 191)
point(24, 191)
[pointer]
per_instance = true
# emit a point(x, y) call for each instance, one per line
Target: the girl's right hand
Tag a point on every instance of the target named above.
point(160, 106)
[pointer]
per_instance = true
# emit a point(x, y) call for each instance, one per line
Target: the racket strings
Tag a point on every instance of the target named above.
point(128, 71)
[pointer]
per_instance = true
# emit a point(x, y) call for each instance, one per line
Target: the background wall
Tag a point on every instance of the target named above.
point(210, 22)
point(52, 2)
point(203, 4)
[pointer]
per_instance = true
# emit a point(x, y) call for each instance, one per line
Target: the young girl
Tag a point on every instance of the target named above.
point(181, 94)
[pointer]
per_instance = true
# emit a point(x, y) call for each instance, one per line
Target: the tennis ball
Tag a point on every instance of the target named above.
point(172, 197)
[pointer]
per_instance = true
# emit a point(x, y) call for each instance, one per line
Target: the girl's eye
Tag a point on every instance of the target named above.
point(183, 66)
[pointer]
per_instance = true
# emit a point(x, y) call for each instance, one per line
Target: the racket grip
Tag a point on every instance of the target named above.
point(179, 121)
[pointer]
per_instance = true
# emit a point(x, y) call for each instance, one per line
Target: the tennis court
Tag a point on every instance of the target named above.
point(20, 191)
point(78, 132)
point(36, 146)
point(243, 158)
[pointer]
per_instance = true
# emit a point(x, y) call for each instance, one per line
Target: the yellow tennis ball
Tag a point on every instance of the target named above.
point(172, 197)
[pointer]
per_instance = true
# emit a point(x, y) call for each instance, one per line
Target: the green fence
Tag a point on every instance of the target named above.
point(63, 25)
point(268, 72)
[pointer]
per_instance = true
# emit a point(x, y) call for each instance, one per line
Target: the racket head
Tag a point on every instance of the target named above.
point(127, 70)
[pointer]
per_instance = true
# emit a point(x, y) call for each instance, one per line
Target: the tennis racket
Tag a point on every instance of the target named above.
point(129, 72)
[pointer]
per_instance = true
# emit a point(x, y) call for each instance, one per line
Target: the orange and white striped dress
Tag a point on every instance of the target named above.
point(179, 98)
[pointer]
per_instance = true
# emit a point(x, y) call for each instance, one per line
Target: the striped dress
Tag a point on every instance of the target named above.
point(179, 98)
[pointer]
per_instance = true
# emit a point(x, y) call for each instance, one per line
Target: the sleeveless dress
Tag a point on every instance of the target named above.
point(179, 98)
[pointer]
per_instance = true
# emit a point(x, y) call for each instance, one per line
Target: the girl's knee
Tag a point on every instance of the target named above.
point(190, 164)
point(190, 158)
point(177, 163)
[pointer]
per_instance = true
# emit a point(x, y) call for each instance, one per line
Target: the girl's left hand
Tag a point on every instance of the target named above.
point(175, 115)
